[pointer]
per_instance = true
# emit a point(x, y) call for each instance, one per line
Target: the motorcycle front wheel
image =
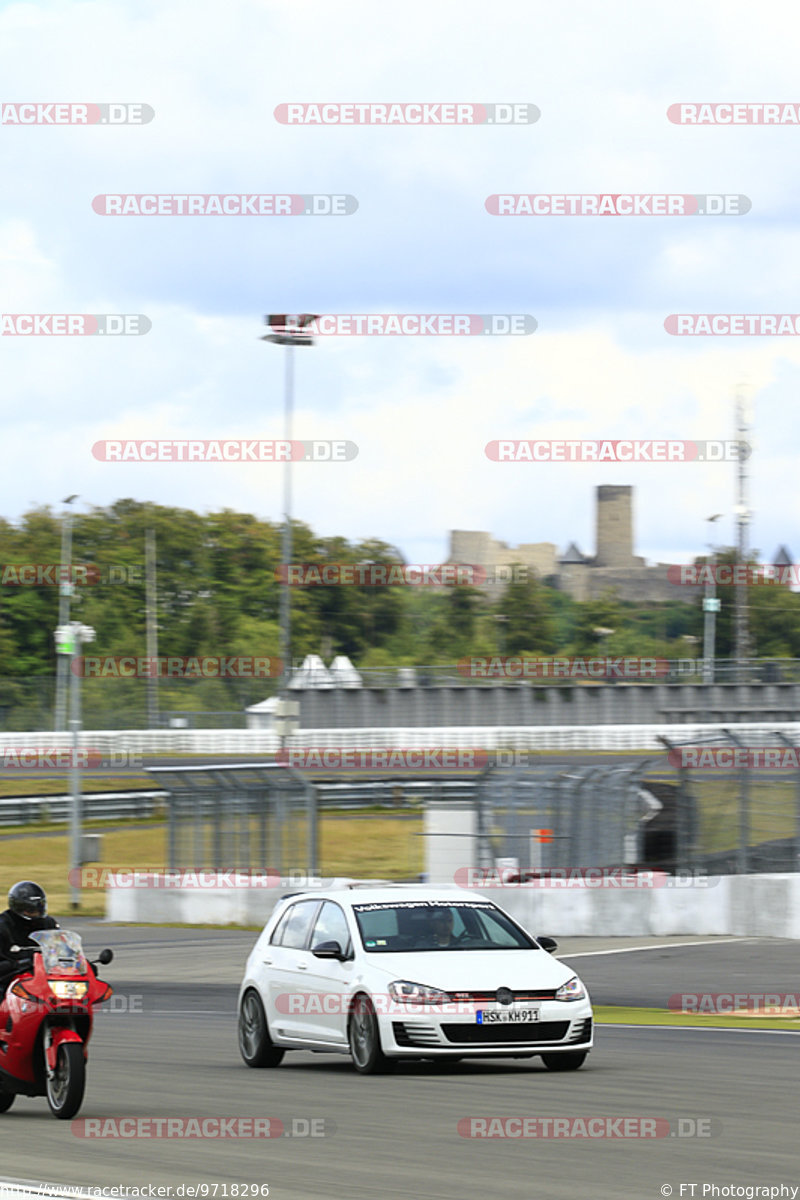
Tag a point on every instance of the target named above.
point(65, 1088)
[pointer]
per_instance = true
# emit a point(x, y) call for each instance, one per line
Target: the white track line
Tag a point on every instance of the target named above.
point(661, 946)
point(695, 1028)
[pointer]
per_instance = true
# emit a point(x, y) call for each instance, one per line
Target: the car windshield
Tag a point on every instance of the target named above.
point(397, 927)
point(62, 952)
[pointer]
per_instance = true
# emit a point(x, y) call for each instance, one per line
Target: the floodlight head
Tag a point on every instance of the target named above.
point(289, 329)
point(288, 339)
point(289, 320)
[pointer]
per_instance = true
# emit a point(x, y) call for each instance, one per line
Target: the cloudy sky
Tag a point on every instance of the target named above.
point(600, 364)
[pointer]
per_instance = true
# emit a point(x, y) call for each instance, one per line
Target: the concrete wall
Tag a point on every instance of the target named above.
point(206, 904)
point(543, 705)
point(743, 905)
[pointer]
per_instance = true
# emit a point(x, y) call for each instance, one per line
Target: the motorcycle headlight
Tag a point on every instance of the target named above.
point(69, 989)
point(405, 992)
point(571, 990)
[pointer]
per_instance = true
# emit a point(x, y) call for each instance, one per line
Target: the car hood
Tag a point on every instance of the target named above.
point(474, 970)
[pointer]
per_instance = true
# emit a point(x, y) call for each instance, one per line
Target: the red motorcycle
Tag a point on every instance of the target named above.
point(46, 1021)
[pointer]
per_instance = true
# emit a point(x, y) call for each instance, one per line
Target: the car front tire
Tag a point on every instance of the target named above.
point(364, 1039)
point(565, 1062)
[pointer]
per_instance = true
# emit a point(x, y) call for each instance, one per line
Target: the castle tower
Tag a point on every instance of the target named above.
point(614, 527)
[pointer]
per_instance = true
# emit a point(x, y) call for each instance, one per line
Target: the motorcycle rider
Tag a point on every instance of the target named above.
point(26, 914)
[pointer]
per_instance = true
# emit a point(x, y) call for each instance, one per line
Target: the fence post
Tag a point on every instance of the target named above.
point(742, 852)
point(796, 855)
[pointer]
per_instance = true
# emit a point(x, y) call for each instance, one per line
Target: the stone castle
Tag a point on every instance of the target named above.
point(614, 566)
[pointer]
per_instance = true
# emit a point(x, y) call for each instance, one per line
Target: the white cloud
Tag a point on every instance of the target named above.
point(421, 410)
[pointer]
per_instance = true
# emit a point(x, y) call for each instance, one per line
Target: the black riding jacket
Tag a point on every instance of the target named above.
point(15, 931)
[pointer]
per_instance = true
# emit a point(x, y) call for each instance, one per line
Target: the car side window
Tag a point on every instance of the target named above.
point(278, 931)
point(294, 933)
point(331, 926)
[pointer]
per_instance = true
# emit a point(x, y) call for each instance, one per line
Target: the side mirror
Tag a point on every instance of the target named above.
point(105, 957)
point(328, 950)
point(549, 944)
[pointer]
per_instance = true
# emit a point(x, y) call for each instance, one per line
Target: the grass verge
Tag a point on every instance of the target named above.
point(369, 846)
point(618, 1015)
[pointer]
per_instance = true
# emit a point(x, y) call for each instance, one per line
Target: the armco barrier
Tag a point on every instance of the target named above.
point(743, 905)
point(488, 737)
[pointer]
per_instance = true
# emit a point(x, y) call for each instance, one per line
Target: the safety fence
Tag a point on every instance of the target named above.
point(487, 737)
point(538, 820)
point(244, 818)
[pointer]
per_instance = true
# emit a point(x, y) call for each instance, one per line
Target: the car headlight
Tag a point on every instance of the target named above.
point(68, 989)
point(416, 993)
point(571, 990)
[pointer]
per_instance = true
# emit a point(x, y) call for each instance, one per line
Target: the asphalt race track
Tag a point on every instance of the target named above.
point(173, 1053)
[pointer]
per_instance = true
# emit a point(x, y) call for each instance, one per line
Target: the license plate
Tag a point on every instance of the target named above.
point(507, 1016)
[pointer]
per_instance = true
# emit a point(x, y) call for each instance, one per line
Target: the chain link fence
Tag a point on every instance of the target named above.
point(729, 804)
point(544, 820)
point(246, 818)
point(737, 801)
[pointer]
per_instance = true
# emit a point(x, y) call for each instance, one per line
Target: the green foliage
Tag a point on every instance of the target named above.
point(525, 616)
point(219, 595)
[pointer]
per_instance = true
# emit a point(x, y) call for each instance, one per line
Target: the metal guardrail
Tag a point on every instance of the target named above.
point(394, 793)
point(98, 806)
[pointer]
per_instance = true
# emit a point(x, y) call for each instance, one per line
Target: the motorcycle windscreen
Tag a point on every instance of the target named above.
point(62, 952)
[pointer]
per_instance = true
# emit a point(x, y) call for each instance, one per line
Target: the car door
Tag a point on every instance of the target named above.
point(286, 963)
point(328, 981)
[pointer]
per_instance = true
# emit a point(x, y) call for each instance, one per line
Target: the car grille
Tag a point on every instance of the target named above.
point(524, 1031)
point(491, 997)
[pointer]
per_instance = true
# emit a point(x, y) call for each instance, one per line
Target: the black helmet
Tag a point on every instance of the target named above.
point(27, 900)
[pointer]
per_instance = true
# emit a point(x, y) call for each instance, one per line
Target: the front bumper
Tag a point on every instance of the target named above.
point(421, 1031)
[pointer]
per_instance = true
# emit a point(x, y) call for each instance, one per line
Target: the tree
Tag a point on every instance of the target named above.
point(525, 614)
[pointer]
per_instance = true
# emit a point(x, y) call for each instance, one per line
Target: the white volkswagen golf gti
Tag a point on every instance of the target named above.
point(384, 973)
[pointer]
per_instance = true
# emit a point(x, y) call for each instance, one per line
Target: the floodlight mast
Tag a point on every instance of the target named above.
point(287, 330)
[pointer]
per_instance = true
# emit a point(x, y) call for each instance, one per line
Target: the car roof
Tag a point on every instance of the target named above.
point(362, 893)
